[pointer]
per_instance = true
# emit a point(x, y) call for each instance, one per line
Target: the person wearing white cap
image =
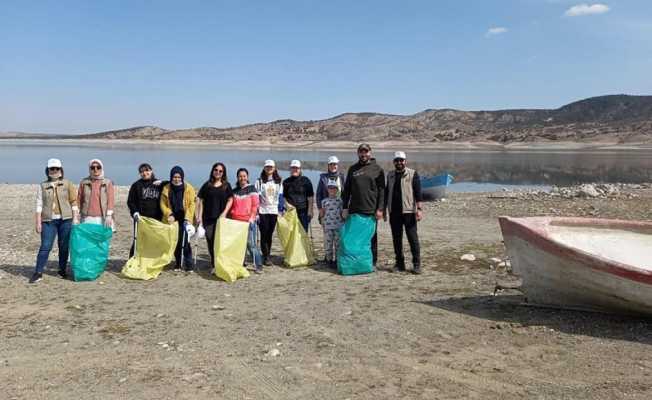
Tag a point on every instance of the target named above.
point(332, 174)
point(56, 207)
point(270, 189)
point(403, 201)
point(298, 192)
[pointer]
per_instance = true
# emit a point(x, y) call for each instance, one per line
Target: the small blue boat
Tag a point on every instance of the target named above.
point(434, 187)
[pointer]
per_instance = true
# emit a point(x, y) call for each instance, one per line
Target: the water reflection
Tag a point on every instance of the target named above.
point(23, 163)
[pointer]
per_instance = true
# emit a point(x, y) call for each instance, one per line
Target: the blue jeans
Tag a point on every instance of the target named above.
point(252, 250)
point(49, 230)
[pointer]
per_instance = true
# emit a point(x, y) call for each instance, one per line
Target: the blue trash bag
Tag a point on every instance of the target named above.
point(89, 250)
point(354, 254)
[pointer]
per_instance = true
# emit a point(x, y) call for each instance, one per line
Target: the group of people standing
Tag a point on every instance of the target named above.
point(364, 190)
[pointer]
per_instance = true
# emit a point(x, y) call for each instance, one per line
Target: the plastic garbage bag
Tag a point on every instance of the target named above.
point(155, 244)
point(89, 250)
point(230, 248)
point(354, 254)
point(297, 247)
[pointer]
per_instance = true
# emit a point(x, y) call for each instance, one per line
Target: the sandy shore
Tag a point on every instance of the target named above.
point(606, 146)
point(440, 335)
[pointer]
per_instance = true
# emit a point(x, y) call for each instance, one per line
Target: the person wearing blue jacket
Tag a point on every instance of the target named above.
point(332, 175)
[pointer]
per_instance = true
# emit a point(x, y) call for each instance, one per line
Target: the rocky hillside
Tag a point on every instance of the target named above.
point(617, 118)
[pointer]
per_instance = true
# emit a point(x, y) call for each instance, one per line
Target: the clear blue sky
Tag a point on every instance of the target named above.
point(87, 66)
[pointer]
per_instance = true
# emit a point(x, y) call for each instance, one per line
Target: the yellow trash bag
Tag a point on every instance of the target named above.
point(230, 248)
point(155, 244)
point(297, 247)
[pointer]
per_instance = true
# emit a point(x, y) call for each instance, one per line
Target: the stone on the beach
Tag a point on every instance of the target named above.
point(218, 307)
point(274, 353)
point(588, 190)
point(468, 257)
point(495, 260)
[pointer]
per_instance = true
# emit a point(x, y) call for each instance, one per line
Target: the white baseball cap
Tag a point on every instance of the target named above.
point(54, 163)
point(295, 163)
point(333, 160)
point(270, 163)
point(400, 154)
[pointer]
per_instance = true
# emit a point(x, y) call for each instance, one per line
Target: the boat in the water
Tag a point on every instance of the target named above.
point(582, 263)
point(434, 187)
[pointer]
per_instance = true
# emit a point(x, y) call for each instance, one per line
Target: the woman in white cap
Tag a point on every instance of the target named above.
point(298, 192)
point(56, 207)
point(96, 196)
point(333, 175)
point(270, 190)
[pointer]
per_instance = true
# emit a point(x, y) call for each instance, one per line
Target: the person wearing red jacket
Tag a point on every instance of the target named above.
point(245, 208)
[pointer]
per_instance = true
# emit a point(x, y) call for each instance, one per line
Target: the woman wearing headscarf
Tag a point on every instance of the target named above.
point(178, 206)
point(56, 207)
point(96, 196)
point(214, 201)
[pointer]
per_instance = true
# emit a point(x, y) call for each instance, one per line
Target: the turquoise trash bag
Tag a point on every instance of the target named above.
point(89, 250)
point(354, 254)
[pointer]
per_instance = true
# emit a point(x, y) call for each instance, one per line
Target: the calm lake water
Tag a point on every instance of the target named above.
point(23, 162)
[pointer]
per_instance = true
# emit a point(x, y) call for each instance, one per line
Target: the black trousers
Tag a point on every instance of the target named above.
point(209, 227)
point(266, 224)
point(397, 221)
point(183, 244)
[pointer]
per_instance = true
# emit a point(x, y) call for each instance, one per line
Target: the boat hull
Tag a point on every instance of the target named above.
point(556, 275)
point(435, 187)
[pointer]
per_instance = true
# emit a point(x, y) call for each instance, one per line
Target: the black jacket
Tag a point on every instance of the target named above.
point(144, 199)
point(364, 188)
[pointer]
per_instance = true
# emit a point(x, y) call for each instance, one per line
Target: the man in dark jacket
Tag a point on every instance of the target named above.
point(144, 197)
point(364, 191)
point(333, 174)
point(403, 201)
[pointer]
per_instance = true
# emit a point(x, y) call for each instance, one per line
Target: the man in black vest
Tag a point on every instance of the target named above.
point(403, 199)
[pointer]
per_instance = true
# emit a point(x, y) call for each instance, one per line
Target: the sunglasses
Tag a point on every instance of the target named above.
point(218, 170)
point(54, 169)
point(96, 167)
point(399, 160)
point(144, 170)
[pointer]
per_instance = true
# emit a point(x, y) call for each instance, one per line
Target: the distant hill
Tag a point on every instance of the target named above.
point(614, 118)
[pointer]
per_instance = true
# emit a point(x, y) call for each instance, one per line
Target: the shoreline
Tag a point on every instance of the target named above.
point(564, 147)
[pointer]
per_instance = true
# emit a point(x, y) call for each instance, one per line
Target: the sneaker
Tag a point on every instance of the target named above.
point(399, 267)
point(63, 274)
point(37, 277)
point(177, 269)
point(416, 270)
point(332, 265)
point(266, 262)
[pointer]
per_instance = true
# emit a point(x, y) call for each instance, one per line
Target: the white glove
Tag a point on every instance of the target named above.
point(201, 232)
point(136, 216)
point(190, 230)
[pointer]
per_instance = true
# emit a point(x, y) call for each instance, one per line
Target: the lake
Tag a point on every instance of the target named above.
point(474, 170)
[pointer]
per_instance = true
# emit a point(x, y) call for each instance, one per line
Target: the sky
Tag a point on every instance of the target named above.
point(90, 66)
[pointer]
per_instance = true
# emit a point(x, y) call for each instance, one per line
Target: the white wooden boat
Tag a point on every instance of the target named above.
point(582, 263)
